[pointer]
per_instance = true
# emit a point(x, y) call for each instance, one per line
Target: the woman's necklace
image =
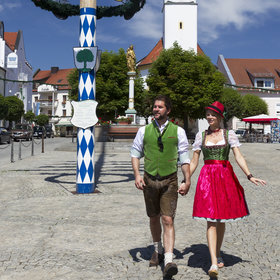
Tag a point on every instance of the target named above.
point(210, 131)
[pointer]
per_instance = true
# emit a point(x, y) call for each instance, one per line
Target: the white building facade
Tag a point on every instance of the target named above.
point(260, 77)
point(14, 67)
point(50, 97)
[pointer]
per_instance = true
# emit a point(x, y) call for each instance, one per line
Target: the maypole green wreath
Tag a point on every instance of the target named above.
point(63, 10)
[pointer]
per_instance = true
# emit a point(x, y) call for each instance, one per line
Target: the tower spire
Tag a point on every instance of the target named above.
point(180, 24)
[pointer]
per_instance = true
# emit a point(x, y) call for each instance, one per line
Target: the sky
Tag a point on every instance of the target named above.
point(233, 28)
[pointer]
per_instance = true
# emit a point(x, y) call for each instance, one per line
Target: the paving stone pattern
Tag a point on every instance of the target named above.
point(49, 232)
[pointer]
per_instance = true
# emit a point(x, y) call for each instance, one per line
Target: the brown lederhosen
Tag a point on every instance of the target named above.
point(161, 195)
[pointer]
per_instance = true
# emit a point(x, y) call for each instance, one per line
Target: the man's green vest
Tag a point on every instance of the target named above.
point(159, 162)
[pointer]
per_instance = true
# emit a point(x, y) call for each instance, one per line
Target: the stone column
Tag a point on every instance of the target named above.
point(131, 112)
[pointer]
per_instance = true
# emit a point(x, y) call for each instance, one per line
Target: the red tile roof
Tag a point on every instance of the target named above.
point(155, 52)
point(242, 69)
point(153, 55)
point(41, 75)
point(11, 38)
point(199, 50)
point(47, 77)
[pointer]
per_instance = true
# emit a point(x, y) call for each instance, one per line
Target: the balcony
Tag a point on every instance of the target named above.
point(45, 103)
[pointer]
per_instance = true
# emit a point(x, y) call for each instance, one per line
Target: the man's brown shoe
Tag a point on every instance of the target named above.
point(156, 259)
point(169, 270)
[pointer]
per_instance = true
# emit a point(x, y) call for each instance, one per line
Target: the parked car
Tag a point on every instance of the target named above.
point(39, 132)
point(49, 131)
point(240, 133)
point(22, 131)
point(5, 135)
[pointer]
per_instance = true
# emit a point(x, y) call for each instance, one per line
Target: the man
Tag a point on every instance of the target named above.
point(161, 143)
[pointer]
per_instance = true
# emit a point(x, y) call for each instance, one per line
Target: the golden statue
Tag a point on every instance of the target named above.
point(131, 59)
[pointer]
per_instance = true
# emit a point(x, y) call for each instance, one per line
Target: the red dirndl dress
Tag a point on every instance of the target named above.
point(219, 195)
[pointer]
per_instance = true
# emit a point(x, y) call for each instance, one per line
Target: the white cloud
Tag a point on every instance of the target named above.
point(9, 5)
point(215, 15)
point(12, 5)
point(147, 23)
point(101, 37)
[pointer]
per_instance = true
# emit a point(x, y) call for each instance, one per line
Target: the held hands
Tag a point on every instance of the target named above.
point(139, 182)
point(184, 188)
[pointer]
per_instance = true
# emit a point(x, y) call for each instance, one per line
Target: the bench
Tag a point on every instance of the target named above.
point(122, 132)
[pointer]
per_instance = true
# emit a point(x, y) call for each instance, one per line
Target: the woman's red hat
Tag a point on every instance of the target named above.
point(216, 107)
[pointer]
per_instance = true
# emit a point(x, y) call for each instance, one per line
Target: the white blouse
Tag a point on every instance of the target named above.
point(232, 140)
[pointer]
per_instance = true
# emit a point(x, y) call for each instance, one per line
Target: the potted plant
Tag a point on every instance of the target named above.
point(123, 120)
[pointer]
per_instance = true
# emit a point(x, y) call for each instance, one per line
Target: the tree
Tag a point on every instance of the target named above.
point(112, 85)
point(3, 107)
point(85, 56)
point(143, 104)
point(253, 105)
point(191, 81)
point(29, 116)
point(15, 109)
point(42, 120)
point(73, 80)
point(233, 102)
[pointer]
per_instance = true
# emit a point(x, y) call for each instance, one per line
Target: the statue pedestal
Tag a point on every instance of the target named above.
point(131, 113)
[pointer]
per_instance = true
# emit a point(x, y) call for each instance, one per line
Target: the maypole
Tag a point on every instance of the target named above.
point(87, 61)
point(85, 179)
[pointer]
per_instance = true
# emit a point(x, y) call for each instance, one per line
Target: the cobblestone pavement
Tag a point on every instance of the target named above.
point(49, 232)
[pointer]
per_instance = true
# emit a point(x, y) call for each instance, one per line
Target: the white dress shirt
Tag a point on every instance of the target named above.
point(183, 152)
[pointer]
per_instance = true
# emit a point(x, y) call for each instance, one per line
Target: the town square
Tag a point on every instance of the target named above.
point(139, 139)
point(49, 232)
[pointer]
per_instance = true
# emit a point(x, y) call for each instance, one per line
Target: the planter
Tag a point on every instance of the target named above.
point(101, 132)
point(124, 122)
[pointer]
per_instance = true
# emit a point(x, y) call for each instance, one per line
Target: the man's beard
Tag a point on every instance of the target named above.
point(160, 117)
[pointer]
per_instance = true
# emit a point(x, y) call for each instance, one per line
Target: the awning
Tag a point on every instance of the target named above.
point(260, 119)
point(64, 123)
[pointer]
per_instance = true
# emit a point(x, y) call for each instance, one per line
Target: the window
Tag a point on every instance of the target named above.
point(264, 83)
point(181, 25)
point(278, 109)
point(268, 84)
point(36, 98)
point(64, 113)
point(64, 100)
point(49, 112)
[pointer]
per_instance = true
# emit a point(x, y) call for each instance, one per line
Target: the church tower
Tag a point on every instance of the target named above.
point(180, 24)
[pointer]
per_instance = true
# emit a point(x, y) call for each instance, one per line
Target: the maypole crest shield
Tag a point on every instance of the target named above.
point(84, 113)
point(85, 58)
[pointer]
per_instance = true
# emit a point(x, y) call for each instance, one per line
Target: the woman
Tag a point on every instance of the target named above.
point(219, 196)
